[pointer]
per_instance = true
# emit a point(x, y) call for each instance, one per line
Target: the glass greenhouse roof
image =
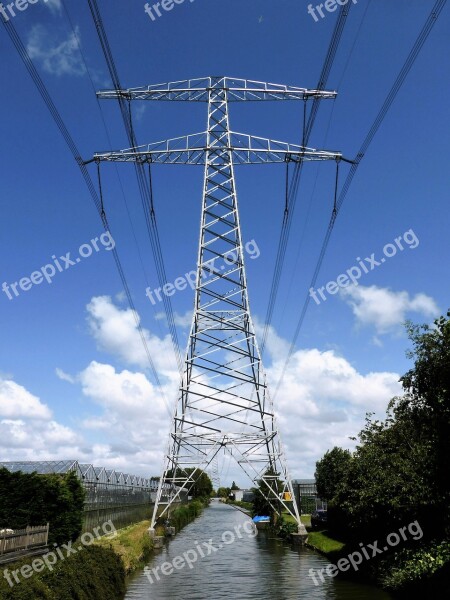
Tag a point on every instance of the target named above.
point(86, 472)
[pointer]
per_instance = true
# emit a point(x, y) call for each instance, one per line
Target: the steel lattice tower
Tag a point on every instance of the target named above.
point(223, 402)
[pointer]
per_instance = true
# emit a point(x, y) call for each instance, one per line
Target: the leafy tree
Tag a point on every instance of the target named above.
point(426, 403)
point(331, 470)
point(268, 489)
point(32, 499)
point(383, 487)
point(399, 470)
point(234, 486)
point(202, 486)
point(223, 492)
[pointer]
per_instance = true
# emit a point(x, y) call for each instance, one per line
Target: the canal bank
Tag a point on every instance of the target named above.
point(219, 555)
point(133, 544)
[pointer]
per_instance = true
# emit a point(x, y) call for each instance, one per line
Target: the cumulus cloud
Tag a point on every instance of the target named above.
point(125, 421)
point(322, 401)
point(16, 402)
point(385, 309)
point(27, 429)
point(57, 57)
point(117, 333)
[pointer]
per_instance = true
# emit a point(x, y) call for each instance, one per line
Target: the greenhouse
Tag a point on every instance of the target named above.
point(110, 494)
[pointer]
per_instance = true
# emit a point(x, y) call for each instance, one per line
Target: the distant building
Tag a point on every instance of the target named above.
point(305, 492)
point(243, 495)
point(248, 496)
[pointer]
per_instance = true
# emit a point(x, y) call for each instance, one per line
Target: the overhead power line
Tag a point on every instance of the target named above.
point(296, 177)
point(42, 89)
point(390, 98)
point(144, 184)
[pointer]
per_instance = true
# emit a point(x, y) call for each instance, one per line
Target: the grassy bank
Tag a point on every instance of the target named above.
point(422, 570)
point(324, 543)
point(245, 505)
point(133, 544)
point(94, 574)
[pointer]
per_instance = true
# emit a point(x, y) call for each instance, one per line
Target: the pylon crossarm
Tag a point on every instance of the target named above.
point(194, 149)
point(197, 90)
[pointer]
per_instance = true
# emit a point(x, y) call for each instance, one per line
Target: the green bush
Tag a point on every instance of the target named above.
point(32, 499)
point(185, 514)
point(411, 568)
point(94, 574)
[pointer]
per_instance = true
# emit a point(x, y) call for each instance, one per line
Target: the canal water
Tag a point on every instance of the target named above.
point(238, 564)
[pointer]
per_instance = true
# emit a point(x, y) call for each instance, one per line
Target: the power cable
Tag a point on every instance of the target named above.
point(37, 80)
point(143, 183)
point(409, 62)
point(293, 192)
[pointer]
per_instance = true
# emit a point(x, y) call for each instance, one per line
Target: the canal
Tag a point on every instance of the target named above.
point(237, 565)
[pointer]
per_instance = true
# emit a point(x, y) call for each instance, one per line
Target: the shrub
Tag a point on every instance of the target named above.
point(94, 574)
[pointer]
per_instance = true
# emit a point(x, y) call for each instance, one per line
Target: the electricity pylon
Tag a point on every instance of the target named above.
point(223, 401)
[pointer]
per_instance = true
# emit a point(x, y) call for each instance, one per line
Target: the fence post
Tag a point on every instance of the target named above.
point(46, 535)
point(27, 537)
point(3, 545)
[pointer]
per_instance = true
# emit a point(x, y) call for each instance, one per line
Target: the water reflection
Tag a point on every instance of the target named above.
point(249, 568)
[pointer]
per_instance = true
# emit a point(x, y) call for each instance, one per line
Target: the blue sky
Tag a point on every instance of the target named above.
point(73, 382)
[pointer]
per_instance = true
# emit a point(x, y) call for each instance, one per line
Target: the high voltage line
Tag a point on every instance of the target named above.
point(145, 185)
point(404, 71)
point(29, 65)
point(292, 192)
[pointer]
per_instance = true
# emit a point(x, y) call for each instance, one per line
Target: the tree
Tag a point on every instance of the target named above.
point(32, 499)
point(234, 486)
point(266, 500)
point(202, 486)
point(223, 492)
point(383, 487)
point(426, 403)
point(331, 470)
point(399, 470)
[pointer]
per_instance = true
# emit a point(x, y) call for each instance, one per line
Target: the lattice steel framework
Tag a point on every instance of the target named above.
point(223, 401)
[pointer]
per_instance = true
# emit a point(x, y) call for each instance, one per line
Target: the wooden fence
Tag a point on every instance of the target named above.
point(24, 539)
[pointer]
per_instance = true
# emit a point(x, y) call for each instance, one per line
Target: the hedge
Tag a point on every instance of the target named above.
point(94, 574)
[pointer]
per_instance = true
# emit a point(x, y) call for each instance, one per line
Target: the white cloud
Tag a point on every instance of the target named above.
point(322, 401)
point(64, 376)
point(116, 332)
point(27, 430)
point(126, 394)
point(384, 309)
point(57, 57)
point(183, 321)
point(124, 422)
point(16, 402)
point(54, 5)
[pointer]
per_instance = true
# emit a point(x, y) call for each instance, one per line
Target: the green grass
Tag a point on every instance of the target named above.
point(245, 505)
point(324, 543)
point(132, 544)
point(305, 519)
